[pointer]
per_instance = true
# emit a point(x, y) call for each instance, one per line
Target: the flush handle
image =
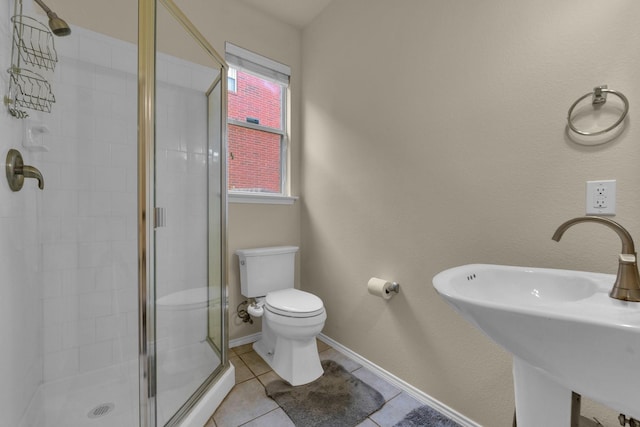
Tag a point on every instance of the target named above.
point(17, 171)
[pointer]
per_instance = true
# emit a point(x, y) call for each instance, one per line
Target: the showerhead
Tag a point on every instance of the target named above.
point(57, 25)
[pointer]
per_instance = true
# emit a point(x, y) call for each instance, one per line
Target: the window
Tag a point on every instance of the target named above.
point(232, 80)
point(256, 123)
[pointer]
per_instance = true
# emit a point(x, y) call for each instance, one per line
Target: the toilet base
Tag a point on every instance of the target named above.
point(295, 361)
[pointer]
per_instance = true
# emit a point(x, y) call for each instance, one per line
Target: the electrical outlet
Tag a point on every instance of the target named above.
point(601, 197)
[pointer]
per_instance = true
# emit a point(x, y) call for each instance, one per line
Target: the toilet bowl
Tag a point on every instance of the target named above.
point(288, 341)
point(291, 318)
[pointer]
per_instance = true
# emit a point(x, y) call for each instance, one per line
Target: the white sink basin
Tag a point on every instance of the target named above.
point(520, 286)
point(562, 328)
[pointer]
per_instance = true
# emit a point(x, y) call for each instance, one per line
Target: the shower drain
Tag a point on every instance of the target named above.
point(101, 410)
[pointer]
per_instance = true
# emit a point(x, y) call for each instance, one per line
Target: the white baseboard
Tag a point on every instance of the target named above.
point(412, 391)
point(245, 340)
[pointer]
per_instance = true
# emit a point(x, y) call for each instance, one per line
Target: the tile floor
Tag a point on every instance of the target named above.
point(247, 405)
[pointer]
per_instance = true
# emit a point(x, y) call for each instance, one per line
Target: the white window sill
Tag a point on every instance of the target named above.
point(271, 199)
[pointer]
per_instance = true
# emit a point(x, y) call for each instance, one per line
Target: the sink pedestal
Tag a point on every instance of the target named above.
point(540, 401)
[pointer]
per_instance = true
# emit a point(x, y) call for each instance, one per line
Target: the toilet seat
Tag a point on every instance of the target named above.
point(293, 303)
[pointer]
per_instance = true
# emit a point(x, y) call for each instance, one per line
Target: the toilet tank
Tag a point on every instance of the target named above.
point(263, 270)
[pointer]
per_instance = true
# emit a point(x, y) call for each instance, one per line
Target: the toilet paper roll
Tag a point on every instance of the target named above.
point(381, 288)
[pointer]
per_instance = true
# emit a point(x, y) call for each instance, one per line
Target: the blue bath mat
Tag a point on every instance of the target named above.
point(336, 399)
point(426, 416)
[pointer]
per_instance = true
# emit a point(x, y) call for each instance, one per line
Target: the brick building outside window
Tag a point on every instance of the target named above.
point(256, 130)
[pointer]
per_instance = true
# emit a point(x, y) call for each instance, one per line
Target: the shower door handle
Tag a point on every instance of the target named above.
point(159, 217)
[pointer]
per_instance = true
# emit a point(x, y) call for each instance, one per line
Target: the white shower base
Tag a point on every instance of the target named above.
point(68, 402)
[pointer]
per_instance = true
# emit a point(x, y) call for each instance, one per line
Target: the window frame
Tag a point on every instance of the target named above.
point(249, 62)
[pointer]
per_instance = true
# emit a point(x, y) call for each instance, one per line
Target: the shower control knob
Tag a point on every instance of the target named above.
point(17, 171)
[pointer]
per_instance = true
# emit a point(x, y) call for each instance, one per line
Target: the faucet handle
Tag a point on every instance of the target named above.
point(17, 171)
point(627, 258)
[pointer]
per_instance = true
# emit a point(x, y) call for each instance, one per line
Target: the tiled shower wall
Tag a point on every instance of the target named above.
point(88, 212)
point(88, 215)
point(20, 303)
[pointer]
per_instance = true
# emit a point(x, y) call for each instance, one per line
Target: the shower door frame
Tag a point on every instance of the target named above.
point(146, 204)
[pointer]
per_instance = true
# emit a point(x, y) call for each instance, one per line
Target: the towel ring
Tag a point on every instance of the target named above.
point(599, 97)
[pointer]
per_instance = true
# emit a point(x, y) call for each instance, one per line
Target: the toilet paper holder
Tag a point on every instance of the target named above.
point(382, 288)
point(395, 287)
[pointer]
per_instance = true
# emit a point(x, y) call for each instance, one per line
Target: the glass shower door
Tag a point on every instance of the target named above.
point(189, 217)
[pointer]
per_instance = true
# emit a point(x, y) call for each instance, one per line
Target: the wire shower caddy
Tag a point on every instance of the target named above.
point(32, 47)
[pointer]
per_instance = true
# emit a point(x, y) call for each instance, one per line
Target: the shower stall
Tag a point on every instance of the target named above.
point(113, 303)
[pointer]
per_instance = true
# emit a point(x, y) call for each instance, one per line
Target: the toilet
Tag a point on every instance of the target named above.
point(291, 318)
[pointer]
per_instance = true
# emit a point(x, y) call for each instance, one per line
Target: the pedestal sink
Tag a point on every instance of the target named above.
point(564, 331)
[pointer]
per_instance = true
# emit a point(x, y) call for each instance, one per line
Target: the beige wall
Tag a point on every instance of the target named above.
point(434, 136)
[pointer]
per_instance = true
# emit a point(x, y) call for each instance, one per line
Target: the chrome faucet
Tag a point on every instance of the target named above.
point(627, 284)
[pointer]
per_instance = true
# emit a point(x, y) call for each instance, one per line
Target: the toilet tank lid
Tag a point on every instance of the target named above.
point(272, 250)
